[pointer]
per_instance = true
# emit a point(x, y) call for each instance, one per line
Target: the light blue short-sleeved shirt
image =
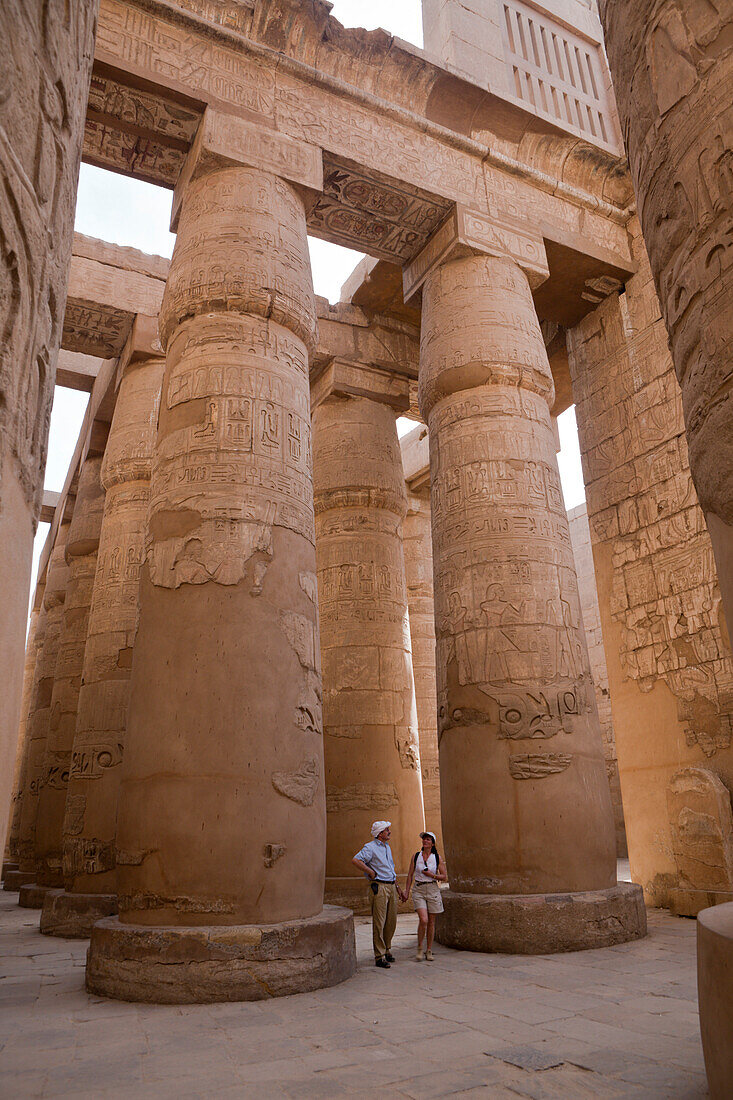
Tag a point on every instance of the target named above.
point(378, 855)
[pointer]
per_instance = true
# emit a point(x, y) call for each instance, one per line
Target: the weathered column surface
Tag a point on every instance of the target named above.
point(50, 625)
point(369, 716)
point(221, 824)
point(418, 545)
point(81, 557)
point(91, 805)
point(46, 62)
point(526, 806)
point(667, 648)
point(672, 66)
point(33, 646)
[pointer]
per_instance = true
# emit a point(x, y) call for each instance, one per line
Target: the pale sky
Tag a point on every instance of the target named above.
point(128, 212)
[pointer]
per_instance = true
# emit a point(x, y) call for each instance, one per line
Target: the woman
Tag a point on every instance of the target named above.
point(427, 869)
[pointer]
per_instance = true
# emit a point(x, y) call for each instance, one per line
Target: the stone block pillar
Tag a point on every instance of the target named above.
point(50, 626)
point(672, 66)
point(46, 53)
point(81, 557)
point(222, 823)
point(526, 807)
point(369, 716)
point(417, 538)
point(91, 806)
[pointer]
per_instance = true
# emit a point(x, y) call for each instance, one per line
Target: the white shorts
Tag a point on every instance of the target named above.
point(426, 895)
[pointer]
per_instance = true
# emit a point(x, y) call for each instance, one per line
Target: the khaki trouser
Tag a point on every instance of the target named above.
point(384, 916)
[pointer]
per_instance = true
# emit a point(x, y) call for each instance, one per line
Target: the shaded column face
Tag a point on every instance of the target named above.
point(672, 66)
point(39, 718)
point(81, 557)
point(91, 805)
point(526, 807)
point(370, 721)
point(222, 817)
point(46, 52)
point(32, 648)
point(419, 576)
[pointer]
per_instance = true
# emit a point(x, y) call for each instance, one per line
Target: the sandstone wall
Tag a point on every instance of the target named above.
point(669, 662)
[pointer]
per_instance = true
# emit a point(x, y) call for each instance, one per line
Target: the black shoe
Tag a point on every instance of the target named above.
point(389, 957)
point(382, 962)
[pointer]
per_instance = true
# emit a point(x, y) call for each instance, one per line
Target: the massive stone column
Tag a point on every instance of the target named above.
point(417, 538)
point(33, 648)
point(672, 66)
point(46, 52)
point(91, 805)
point(81, 557)
point(50, 625)
point(525, 800)
point(369, 716)
point(667, 647)
point(221, 824)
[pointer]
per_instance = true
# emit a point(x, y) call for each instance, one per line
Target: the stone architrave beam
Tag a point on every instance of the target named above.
point(108, 286)
point(416, 458)
point(49, 505)
point(77, 371)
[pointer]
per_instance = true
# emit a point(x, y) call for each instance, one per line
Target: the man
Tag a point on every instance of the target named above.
point(375, 860)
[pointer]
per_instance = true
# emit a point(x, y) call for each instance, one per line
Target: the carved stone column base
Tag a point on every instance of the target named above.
point(353, 893)
point(541, 924)
point(9, 865)
point(32, 896)
point(688, 903)
point(13, 880)
point(72, 915)
point(199, 965)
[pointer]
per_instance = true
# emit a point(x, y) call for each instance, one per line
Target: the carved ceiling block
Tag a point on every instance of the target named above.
point(375, 215)
point(136, 132)
point(94, 329)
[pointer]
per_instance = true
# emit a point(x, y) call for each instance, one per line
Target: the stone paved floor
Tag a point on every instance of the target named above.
point(615, 1023)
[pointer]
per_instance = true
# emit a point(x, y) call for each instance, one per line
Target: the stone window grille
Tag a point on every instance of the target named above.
point(557, 71)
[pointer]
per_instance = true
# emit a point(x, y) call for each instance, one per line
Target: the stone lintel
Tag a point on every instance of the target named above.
point(415, 449)
point(226, 141)
point(142, 343)
point(466, 232)
point(77, 371)
point(49, 503)
point(343, 378)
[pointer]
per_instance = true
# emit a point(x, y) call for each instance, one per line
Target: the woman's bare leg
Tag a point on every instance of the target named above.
point(422, 918)
point(431, 930)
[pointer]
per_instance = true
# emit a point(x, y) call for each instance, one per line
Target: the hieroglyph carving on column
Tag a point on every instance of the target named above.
point(226, 661)
point(91, 804)
point(672, 64)
point(370, 720)
point(50, 626)
point(525, 799)
point(81, 556)
point(46, 50)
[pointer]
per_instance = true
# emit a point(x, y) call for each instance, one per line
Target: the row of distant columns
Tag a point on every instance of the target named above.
point(221, 796)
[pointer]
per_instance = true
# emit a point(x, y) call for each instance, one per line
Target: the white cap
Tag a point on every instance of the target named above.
point(379, 827)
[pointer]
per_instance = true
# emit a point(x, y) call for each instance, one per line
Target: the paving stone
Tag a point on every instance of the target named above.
point(526, 1057)
point(600, 1030)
